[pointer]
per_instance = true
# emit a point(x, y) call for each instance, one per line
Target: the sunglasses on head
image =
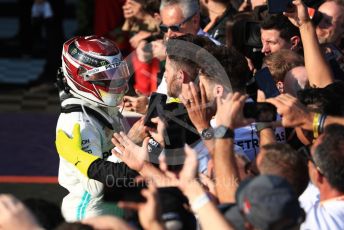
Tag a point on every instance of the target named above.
point(175, 27)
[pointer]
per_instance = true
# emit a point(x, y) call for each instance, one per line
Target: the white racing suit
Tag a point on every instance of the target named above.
point(84, 198)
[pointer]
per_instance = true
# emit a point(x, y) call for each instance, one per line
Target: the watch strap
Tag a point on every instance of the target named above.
point(262, 125)
point(223, 132)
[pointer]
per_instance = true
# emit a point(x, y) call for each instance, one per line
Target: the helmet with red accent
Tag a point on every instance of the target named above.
point(94, 70)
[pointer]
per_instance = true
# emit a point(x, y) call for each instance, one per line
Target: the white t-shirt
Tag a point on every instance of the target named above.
point(202, 156)
point(309, 197)
point(326, 215)
point(246, 137)
point(247, 140)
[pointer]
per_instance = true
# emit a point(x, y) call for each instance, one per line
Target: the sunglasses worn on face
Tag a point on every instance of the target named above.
point(175, 27)
point(305, 150)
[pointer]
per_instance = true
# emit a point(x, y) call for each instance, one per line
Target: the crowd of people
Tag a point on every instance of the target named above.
point(242, 121)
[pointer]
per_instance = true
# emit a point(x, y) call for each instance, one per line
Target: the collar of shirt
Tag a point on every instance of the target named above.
point(205, 34)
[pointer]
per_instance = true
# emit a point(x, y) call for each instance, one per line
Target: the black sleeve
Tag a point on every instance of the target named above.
point(107, 172)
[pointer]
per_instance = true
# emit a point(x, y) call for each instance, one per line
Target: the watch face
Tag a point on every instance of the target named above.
point(220, 131)
point(207, 134)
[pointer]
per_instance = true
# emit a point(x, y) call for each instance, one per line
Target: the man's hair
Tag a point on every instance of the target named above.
point(150, 6)
point(329, 156)
point(280, 62)
point(188, 7)
point(280, 23)
point(233, 63)
point(282, 160)
point(182, 52)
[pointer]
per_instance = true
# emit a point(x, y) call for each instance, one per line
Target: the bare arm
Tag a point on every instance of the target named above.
point(266, 136)
point(334, 120)
point(318, 70)
point(229, 114)
point(226, 171)
point(208, 215)
point(294, 114)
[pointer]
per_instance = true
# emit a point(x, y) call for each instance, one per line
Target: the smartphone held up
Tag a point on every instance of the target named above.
point(260, 111)
point(280, 6)
point(155, 108)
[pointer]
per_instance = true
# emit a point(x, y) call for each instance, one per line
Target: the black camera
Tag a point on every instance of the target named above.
point(260, 111)
point(280, 6)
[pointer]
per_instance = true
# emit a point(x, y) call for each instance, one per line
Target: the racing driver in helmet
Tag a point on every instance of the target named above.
point(92, 82)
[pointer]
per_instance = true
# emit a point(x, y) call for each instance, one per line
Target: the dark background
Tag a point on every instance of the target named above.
point(28, 116)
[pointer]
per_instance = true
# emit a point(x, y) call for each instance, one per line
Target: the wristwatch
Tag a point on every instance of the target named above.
point(222, 132)
point(207, 133)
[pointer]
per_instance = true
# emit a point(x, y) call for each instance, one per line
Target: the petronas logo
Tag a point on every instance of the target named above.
point(74, 51)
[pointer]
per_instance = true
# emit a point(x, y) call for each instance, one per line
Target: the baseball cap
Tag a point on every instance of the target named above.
point(267, 202)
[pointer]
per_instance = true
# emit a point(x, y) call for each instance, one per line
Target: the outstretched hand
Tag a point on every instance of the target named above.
point(293, 113)
point(131, 154)
point(185, 177)
point(149, 211)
